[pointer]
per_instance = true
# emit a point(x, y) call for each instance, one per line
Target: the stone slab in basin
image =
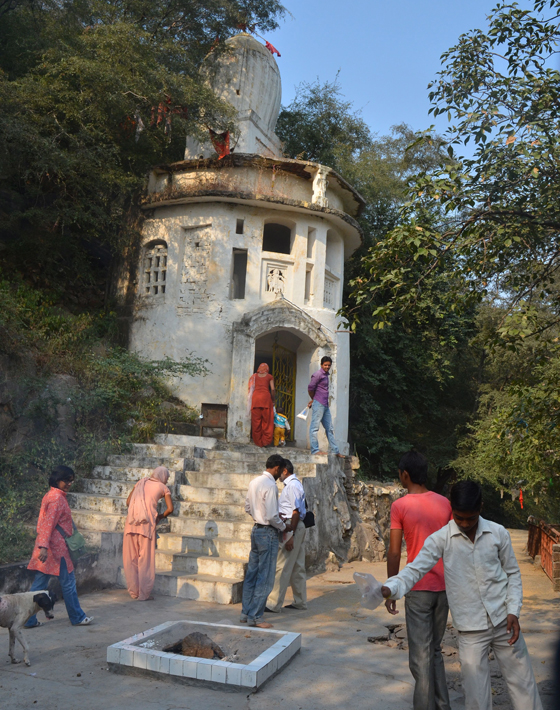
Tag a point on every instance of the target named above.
point(259, 657)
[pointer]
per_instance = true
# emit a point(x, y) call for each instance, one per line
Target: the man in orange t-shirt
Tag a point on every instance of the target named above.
point(419, 514)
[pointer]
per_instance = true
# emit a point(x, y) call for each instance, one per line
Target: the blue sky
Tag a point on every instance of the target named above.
point(387, 51)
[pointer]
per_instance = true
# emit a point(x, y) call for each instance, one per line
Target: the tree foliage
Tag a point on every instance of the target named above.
point(409, 385)
point(499, 220)
point(92, 94)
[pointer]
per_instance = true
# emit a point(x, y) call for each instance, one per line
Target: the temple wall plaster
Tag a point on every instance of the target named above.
point(197, 314)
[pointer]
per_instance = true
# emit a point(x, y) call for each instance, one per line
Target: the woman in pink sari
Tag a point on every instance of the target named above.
point(139, 543)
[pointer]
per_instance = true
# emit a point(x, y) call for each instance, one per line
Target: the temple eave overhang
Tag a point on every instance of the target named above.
point(348, 225)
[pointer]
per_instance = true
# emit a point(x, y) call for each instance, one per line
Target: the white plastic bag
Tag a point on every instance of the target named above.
point(303, 414)
point(370, 589)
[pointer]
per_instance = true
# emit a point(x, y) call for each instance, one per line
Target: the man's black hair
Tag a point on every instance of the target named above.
point(280, 410)
point(60, 473)
point(275, 460)
point(288, 466)
point(415, 465)
point(466, 496)
point(326, 358)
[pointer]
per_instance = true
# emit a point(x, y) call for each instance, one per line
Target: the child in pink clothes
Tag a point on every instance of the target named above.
point(139, 543)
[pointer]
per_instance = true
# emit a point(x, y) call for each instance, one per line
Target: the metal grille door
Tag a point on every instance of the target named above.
point(284, 373)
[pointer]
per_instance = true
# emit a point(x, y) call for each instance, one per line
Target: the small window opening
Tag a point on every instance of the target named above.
point(239, 274)
point(155, 267)
point(238, 92)
point(239, 226)
point(277, 238)
point(310, 242)
point(197, 244)
point(307, 293)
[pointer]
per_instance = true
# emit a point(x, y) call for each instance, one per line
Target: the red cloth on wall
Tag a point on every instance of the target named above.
point(220, 141)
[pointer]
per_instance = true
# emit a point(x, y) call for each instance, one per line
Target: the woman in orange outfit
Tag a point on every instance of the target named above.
point(261, 403)
point(139, 543)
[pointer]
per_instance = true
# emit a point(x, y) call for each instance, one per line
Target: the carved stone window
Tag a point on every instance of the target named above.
point(155, 268)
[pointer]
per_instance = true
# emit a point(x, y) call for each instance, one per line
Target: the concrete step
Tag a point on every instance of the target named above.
point(201, 442)
point(97, 503)
point(161, 451)
point(132, 473)
point(198, 527)
point(219, 496)
point(91, 520)
point(205, 479)
point(209, 511)
point(211, 547)
point(117, 506)
point(150, 462)
point(190, 563)
point(190, 526)
point(101, 487)
point(260, 455)
point(303, 469)
point(103, 540)
point(204, 588)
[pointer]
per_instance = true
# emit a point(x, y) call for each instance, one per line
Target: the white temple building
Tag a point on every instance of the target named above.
point(242, 261)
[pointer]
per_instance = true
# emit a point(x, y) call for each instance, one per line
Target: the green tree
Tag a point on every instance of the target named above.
point(411, 384)
point(91, 95)
point(499, 233)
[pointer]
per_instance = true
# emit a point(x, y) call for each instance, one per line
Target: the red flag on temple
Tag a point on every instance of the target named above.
point(521, 498)
point(272, 49)
point(220, 141)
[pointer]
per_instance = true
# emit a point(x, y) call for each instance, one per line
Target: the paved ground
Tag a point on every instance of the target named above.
point(336, 669)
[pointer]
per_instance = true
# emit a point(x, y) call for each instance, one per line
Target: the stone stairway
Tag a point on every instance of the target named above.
point(205, 552)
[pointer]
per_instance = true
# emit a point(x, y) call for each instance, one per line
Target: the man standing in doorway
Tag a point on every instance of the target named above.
point(416, 516)
point(290, 567)
point(262, 504)
point(320, 413)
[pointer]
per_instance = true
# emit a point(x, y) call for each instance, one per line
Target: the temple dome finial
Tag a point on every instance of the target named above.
point(248, 78)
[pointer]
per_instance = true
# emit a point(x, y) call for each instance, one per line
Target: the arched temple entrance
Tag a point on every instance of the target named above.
point(279, 350)
point(292, 344)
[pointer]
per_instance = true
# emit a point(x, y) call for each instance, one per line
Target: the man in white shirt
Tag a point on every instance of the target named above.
point(484, 591)
point(262, 504)
point(290, 566)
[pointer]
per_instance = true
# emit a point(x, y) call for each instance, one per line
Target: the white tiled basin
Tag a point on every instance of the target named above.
point(137, 655)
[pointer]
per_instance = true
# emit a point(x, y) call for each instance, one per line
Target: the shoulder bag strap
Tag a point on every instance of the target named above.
point(61, 531)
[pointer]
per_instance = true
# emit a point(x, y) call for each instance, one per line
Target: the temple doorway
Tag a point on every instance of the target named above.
point(278, 350)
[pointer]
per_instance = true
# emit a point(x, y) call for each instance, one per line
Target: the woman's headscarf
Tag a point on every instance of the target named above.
point(138, 510)
point(262, 369)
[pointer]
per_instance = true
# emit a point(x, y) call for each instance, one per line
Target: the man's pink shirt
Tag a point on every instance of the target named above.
point(419, 515)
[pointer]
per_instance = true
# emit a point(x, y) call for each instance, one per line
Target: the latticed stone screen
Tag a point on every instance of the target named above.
point(329, 298)
point(155, 269)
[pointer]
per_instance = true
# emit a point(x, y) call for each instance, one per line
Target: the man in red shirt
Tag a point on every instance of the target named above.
point(417, 515)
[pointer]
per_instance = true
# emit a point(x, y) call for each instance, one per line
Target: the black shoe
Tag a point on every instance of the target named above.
point(268, 610)
point(291, 606)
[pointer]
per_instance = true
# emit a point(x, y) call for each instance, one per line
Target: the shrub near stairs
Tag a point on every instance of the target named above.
point(67, 396)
